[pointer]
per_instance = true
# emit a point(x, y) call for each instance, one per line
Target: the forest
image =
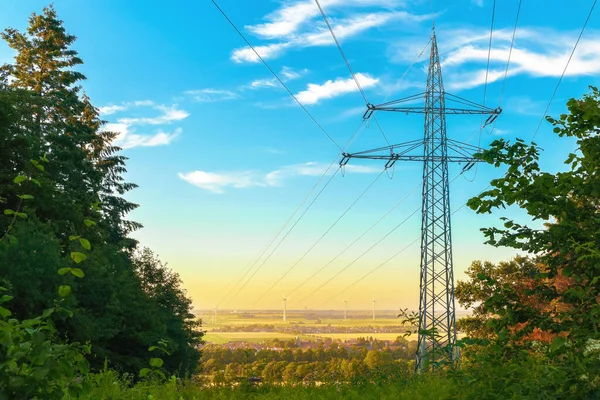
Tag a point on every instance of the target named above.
point(88, 312)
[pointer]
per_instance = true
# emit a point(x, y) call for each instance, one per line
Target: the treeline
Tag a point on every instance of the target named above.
point(61, 189)
point(334, 365)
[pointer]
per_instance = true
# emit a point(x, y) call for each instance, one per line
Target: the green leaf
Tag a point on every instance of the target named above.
point(5, 298)
point(77, 272)
point(20, 178)
point(21, 215)
point(557, 343)
point(8, 211)
point(64, 290)
point(156, 362)
point(43, 158)
point(47, 312)
point(88, 223)
point(63, 271)
point(25, 196)
point(73, 237)
point(12, 239)
point(40, 167)
point(77, 256)
point(144, 372)
point(36, 181)
point(85, 243)
point(152, 348)
point(4, 312)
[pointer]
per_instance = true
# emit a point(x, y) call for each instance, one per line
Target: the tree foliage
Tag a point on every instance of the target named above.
point(554, 296)
point(78, 186)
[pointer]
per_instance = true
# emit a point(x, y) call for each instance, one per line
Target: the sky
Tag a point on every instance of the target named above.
point(223, 155)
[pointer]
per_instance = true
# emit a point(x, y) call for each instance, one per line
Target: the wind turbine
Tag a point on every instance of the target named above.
point(284, 307)
point(214, 317)
point(374, 301)
point(345, 309)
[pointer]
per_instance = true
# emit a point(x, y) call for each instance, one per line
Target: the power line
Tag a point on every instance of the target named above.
point(405, 73)
point(253, 263)
point(565, 70)
point(275, 75)
point(392, 257)
point(250, 265)
point(286, 234)
point(362, 92)
point(510, 53)
point(319, 239)
point(507, 64)
point(355, 240)
point(339, 46)
point(360, 256)
point(374, 269)
point(374, 245)
point(487, 68)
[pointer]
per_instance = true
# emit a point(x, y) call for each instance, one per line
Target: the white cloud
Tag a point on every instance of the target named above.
point(108, 110)
point(127, 137)
point(263, 83)
point(478, 3)
point(268, 51)
point(115, 108)
point(329, 89)
point(299, 24)
point(286, 74)
point(211, 95)
point(169, 114)
point(217, 182)
point(292, 15)
point(130, 140)
point(289, 74)
point(536, 52)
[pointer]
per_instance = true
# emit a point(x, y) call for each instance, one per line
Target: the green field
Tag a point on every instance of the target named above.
point(250, 337)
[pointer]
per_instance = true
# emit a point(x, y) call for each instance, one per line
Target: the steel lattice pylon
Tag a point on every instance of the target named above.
point(437, 321)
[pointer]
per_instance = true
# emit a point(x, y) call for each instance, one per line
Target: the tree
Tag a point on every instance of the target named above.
point(43, 110)
point(181, 327)
point(472, 294)
point(564, 292)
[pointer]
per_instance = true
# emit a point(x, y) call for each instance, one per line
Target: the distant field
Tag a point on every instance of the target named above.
point(237, 320)
point(258, 337)
point(355, 319)
point(250, 337)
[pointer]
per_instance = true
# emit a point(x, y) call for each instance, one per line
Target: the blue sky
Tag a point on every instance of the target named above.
point(223, 156)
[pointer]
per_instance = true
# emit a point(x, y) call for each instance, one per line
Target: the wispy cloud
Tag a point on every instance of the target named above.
point(115, 108)
point(286, 74)
point(217, 182)
point(314, 92)
point(478, 3)
point(128, 137)
point(537, 53)
point(291, 16)
point(211, 95)
point(263, 83)
point(129, 140)
point(169, 114)
point(298, 24)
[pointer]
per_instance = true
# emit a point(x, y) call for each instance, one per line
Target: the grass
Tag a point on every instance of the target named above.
point(107, 385)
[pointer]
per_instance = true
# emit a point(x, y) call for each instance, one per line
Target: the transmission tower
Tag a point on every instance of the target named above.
point(436, 305)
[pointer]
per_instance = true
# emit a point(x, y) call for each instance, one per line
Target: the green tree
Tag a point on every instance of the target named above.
point(43, 109)
point(566, 286)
